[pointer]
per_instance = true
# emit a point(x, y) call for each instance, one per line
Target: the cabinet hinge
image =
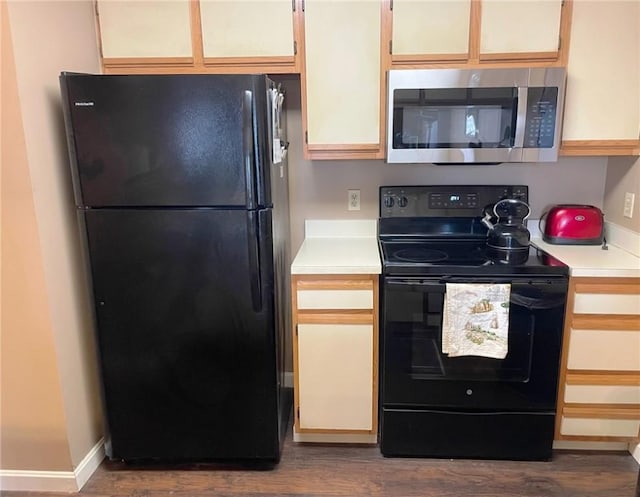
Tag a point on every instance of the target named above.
point(391, 47)
point(293, 5)
point(390, 4)
point(296, 330)
point(298, 413)
point(559, 43)
point(302, 5)
point(295, 47)
point(306, 137)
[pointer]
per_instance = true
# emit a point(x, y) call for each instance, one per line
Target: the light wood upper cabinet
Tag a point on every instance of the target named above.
point(199, 36)
point(527, 27)
point(436, 29)
point(602, 106)
point(342, 79)
point(145, 28)
point(259, 29)
point(462, 33)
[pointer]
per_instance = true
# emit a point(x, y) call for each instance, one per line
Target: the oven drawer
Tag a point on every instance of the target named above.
point(451, 434)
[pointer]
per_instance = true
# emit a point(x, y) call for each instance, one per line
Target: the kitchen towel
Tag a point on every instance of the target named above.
point(476, 320)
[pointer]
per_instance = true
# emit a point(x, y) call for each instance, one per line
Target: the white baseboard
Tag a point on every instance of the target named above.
point(53, 481)
point(89, 464)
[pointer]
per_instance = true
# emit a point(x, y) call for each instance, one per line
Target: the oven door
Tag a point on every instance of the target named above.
point(416, 374)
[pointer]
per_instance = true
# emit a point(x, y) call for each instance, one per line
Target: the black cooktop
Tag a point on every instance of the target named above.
point(464, 257)
point(438, 230)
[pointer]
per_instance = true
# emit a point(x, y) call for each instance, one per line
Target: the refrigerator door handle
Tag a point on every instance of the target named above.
point(248, 147)
point(253, 236)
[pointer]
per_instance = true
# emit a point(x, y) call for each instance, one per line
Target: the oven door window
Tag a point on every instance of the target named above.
point(413, 315)
point(415, 371)
point(454, 118)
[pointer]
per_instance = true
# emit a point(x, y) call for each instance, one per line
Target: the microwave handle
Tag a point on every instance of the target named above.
point(521, 119)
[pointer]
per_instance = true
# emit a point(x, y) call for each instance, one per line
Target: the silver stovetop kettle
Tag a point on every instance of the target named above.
point(507, 230)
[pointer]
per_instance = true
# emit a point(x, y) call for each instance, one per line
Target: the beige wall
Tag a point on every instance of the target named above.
point(318, 189)
point(48, 37)
point(34, 435)
point(623, 175)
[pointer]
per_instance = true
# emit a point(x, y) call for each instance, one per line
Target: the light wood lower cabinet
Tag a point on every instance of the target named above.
point(599, 394)
point(335, 358)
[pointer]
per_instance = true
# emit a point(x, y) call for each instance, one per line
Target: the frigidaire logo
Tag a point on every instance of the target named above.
point(84, 104)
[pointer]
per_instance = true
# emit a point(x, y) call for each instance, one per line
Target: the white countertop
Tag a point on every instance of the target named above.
point(591, 260)
point(351, 247)
point(338, 247)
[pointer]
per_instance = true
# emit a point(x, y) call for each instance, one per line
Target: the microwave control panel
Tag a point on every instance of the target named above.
point(540, 126)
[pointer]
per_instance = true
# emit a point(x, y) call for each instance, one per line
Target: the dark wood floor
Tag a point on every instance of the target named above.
point(313, 471)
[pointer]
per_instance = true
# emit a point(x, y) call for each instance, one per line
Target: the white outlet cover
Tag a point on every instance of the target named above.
point(629, 200)
point(353, 200)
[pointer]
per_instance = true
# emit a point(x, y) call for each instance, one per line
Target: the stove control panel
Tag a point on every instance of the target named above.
point(445, 200)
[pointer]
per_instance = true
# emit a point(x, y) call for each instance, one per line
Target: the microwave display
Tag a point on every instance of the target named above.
point(455, 118)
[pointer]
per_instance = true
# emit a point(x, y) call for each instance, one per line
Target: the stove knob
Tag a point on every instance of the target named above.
point(403, 201)
point(388, 202)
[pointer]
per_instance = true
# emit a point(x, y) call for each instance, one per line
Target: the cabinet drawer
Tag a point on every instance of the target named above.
point(600, 427)
point(335, 299)
point(593, 303)
point(604, 350)
point(602, 394)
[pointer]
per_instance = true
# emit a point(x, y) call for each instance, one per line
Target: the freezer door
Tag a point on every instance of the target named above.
point(168, 140)
point(185, 331)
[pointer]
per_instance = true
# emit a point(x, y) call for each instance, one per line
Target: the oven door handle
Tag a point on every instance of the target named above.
point(414, 282)
point(441, 281)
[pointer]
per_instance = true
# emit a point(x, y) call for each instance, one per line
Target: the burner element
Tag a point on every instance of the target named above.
point(420, 254)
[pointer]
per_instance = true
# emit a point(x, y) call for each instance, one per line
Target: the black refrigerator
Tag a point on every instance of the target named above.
point(181, 191)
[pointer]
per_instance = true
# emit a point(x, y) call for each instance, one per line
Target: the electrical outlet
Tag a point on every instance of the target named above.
point(629, 199)
point(354, 200)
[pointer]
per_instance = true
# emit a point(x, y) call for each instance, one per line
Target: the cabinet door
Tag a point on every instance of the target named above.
point(602, 106)
point(528, 27)
point(145, 29)
point(434, 29)
point(248, 29)
point(342, 79)
point(335, 376)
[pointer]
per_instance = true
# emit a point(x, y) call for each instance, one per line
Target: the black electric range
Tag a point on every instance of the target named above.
point(436, 405)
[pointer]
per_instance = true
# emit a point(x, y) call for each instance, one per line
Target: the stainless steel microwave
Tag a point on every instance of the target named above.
point(475, 116)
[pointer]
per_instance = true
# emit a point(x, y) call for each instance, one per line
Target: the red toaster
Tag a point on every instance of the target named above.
point(572, 224)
